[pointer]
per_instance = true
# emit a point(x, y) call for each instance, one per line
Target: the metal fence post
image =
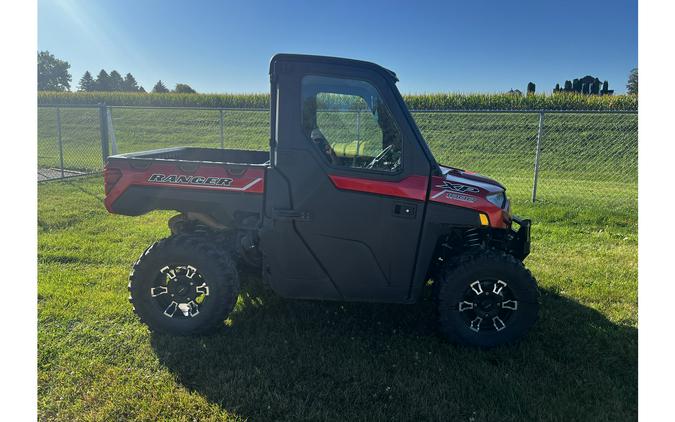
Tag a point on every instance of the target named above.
point(58, 135)
point(536, 155)
point(358, 125)
point(222, 138)
point(358, 136)
point(103, 124)
point(111, 130)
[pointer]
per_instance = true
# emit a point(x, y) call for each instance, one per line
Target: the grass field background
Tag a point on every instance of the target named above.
point(298, 360)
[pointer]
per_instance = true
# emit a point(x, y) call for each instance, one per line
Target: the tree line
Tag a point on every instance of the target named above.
point(590, 85)
point(114, 82)
point(53, 75)
point(109, 82)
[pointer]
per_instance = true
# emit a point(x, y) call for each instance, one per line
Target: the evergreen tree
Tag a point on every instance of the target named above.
point(141, 89)
point(576, 85)
point(130, 84)
point(531, 87)
point(557, 88)
point(595, 87)
point(605, 87)
point(116, 81)
point(87, 83)
point(159, 88)
point(102, 81)
point(568, 86)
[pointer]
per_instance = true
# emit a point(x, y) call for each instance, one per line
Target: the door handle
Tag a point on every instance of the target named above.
point(405, 210)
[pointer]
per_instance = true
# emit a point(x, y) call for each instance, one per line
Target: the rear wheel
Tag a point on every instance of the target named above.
point(181, 285)
point(487, 300)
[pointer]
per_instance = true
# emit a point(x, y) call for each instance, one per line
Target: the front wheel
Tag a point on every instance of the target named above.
point(182, 285)
point(487, 300)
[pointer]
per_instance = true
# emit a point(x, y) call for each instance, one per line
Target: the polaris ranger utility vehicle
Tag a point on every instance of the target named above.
point(348, 204)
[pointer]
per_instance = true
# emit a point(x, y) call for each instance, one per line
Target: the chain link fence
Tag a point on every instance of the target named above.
point(573, 158)
point(69, 141)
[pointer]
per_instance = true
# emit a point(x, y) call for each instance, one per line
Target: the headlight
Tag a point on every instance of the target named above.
point(497, 199)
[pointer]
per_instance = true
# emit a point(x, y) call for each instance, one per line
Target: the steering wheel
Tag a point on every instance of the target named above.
point(380, 156)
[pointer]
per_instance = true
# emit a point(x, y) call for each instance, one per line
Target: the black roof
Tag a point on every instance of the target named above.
point(330, 60)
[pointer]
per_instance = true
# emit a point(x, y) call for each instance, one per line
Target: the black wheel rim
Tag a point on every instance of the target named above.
point(180, 291)
point(488, 305)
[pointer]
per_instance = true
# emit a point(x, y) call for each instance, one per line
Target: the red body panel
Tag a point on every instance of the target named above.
point(412, 187)
point(455, 187)
point(239, 179)
point(469, 190)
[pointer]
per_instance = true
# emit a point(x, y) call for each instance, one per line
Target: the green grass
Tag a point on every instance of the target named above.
point(280, 359)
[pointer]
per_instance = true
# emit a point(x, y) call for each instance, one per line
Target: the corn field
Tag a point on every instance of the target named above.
point(448, 101)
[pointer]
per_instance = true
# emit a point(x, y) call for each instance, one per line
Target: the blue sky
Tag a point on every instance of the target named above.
point(456, 46)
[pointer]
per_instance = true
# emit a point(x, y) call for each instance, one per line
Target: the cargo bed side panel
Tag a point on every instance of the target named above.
point(222, 190)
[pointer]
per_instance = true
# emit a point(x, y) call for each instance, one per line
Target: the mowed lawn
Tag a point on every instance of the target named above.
point(278, 359)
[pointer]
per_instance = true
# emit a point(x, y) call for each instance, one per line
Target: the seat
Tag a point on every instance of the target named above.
point(320, 140)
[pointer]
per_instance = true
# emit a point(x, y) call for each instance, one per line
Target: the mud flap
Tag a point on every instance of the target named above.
point(519, 245)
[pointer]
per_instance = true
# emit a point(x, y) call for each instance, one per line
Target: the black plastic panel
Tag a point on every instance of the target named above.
point(224, 206)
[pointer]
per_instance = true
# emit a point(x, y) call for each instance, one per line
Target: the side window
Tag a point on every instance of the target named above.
point(350, 124)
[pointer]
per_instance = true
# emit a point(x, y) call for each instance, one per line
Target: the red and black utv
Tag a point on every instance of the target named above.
point(348, 204)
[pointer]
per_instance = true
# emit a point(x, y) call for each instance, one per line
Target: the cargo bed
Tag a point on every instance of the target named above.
point(224, 183)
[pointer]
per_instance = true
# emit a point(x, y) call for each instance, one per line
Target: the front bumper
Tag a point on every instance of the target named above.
point(519, 242)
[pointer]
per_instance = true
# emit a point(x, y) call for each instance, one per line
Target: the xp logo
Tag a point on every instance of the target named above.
point(458, 187)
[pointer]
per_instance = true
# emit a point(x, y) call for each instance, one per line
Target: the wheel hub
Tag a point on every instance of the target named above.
point(179, 291)
point(487, 305)
point(182, 288)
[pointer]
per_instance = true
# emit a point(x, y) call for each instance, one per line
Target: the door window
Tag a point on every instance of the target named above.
point(350, 124)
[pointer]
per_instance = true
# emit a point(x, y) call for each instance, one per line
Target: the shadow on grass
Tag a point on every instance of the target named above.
point(298, 360)
point(75, 184)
